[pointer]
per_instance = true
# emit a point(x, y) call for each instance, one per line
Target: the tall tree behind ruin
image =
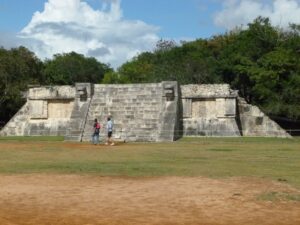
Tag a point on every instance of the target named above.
point(18, 68)
point(69, 68)
point(261, 61)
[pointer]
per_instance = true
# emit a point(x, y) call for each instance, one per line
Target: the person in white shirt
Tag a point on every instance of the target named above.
point(109, 128)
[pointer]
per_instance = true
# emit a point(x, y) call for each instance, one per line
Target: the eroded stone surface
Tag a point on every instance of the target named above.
point(141, 112)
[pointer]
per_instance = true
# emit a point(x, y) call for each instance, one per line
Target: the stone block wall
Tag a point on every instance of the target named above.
point(214, 127)
point(170, 119)
point(209, 110)
point(47, 112)
point(82, 101)
point(255, 123)
point(140, 112)
point(205, 90)
point(51, 92)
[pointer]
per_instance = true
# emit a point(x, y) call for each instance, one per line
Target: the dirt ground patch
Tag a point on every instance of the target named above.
point(75, 199)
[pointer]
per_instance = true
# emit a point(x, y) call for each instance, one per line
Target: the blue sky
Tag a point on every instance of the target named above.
point(16, 14)
point(176, 18)
point(114, 31)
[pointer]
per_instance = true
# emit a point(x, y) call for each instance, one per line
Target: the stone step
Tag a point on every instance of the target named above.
point(129, 98)
point(134, 88)
point(124, 104)
point(136, 111)
point(75, 132)
point(121, 117)
point(123, 111)
point(76, 113)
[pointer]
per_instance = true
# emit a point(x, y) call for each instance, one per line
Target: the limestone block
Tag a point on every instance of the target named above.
point(255, 123)
point(50, 127)
point(141, 112)
point(53, 92)
point(38, 109)
point(204, 108)
point(135, 109)
point(187, 107)
point(60, 108)
point(84, 91)
point(220, 107)
point(255, 111)
point(206, 91)
point(169, 113)
point(210, 127)
point(230, 107)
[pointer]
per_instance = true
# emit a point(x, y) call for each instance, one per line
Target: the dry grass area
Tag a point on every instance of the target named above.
point(84, 199)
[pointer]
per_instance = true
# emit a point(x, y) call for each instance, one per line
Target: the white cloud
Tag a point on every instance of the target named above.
point(73, 25)
point(241, 12)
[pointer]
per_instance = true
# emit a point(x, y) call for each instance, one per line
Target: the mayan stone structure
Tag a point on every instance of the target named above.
point(140, 112)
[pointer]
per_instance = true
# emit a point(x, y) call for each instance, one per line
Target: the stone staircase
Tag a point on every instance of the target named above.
point(140, 112)
point(77, 121)
point(82, 101)
point(134, 109)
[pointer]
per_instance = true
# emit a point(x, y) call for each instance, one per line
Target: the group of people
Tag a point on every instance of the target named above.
point(96, 133)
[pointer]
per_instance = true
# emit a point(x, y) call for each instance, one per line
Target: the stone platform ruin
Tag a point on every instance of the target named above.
point(140, 112)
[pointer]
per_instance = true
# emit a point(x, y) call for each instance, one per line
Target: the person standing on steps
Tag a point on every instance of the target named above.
point(96, 133)
point(109, 127)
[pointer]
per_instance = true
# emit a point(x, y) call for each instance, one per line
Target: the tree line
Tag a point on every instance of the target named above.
point(19, 68)
point(261, 61)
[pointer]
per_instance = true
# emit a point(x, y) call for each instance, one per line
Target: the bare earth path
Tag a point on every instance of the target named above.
point(75, 199)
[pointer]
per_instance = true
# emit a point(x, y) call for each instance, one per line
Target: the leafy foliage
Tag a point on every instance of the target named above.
point(192, 62)
point(70, 68)
point(262, 62)
point(18, 68)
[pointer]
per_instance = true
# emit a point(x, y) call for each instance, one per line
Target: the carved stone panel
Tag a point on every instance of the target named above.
point(230, 107)
point(204, 108)
point(38, 109)
point(187, 107)
point(60, 109)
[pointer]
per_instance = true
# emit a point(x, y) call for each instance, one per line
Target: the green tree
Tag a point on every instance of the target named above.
point(277, 80)
point(18, 68)
point(69, 68)
point(138, 70)
point(261, 61)
point(192, 62)
point(112, 77)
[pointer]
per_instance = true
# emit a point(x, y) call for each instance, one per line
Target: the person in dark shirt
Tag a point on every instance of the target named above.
point(96, 133)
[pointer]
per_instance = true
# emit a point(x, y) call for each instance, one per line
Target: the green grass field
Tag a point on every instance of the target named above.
point(270, 158)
